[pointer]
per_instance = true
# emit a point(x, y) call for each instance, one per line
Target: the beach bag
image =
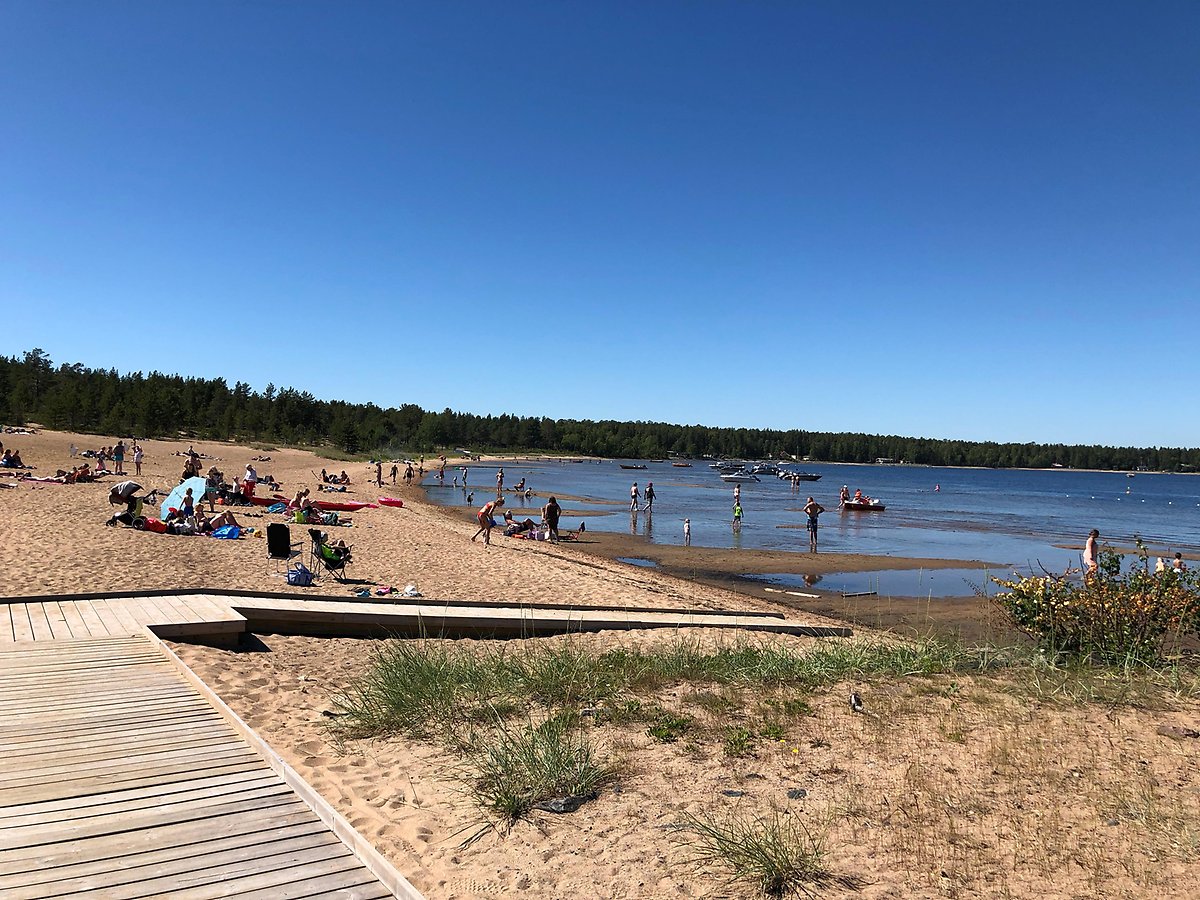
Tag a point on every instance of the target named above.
point(300, 576)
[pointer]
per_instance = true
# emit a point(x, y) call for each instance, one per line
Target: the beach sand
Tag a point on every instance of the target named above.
point(946, 788)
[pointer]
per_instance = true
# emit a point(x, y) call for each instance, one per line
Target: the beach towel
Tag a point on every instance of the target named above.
point(227, 532)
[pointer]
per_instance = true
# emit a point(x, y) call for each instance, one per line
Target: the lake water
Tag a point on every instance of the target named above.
point(997, 515)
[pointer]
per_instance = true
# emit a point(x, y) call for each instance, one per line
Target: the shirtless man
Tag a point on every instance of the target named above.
point(812, 509)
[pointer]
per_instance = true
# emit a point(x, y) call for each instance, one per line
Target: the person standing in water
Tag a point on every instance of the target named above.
point(634, 494)
point(649, 496)
point(812, 509)
point(687, 532)
point(737, 516)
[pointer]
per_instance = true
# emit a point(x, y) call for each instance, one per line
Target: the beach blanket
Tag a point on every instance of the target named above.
point(227, 532)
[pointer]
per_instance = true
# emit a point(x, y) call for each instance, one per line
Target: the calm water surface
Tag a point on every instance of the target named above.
point(1001, 516)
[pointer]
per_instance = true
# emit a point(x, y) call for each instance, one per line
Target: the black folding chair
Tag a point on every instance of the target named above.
point(279, 544)
point(332, 559)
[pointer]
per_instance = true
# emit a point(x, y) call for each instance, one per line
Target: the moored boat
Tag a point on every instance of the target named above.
point(682, 465)
point(739, 477)
point(624, 466)
point(862, 506)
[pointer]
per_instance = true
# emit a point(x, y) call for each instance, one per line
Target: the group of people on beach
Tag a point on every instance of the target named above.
point(1091, 558)
point(116, 453)
point(547, 528)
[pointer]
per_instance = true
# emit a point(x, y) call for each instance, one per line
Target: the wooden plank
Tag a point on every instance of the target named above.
point(168, 774)
point(97, 874)
point(117, 764)
point(254, 785)
point(168, 839)
point(89, 616)
point(99, 749)
point(39, 623)
point(225, 872)
point(59, 629)
point(110, 724)
point(280, 798)
point(75, 623)
point(22, 630)
point(7, 634)
point(309, 881)
point(83, 805)
point(116, 617)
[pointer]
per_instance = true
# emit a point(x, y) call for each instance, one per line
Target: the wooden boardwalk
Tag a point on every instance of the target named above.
point(121, 777)
point(217, 615)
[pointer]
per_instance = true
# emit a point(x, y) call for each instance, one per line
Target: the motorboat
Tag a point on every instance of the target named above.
point(739, 477)
point(682, 465)
point(863, 505)
point(624, 466)
point(765, 469)
point(798, 476)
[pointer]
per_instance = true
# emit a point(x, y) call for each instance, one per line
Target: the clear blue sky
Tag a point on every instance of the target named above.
point(946, 219)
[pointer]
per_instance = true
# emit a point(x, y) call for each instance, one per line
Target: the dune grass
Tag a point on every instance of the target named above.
point(776, 852)
point(510, 769)
point(424, 687)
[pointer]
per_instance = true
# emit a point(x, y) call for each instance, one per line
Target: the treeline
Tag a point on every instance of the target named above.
point(76, 398)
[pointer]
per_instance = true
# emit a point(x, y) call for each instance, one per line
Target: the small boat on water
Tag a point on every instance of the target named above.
point(739, 477)
point(681, 465)
point(861, 506)
point(765, 469)
point(798, 476)
point(623, 466)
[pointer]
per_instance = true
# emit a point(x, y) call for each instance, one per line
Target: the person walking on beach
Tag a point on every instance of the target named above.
point(649, 496)
point(395, 472)
point(137, 459)
point(379, 473)
point(634, 494)
point(812, 509)
point(687, 532)
point(1090, 555)
point(486, 523)
point(551, 513)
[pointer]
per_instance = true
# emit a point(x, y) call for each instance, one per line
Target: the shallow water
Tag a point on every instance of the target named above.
point(1003, 516)
point(891, 582)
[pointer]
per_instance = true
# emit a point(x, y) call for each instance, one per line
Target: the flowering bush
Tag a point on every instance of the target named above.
point(1106, 614)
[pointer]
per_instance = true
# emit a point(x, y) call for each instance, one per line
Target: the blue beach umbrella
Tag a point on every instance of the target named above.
point(175, 498)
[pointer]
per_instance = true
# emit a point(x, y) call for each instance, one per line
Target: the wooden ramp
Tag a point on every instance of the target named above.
point(217, 615)
point(122, 776)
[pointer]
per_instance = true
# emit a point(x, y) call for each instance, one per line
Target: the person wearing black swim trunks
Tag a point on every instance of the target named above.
point(812, 509)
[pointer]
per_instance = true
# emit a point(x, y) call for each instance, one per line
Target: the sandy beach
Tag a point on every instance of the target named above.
point(948, 787)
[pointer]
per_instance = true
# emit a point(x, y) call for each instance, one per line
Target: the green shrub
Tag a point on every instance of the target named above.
point(1107, 616)
point(739, 741)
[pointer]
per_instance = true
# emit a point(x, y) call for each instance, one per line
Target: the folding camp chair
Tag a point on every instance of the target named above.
point(332, 559)
point(279, 544)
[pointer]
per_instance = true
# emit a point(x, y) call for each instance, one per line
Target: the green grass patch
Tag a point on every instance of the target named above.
point(510, 770)
point(776, 853)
